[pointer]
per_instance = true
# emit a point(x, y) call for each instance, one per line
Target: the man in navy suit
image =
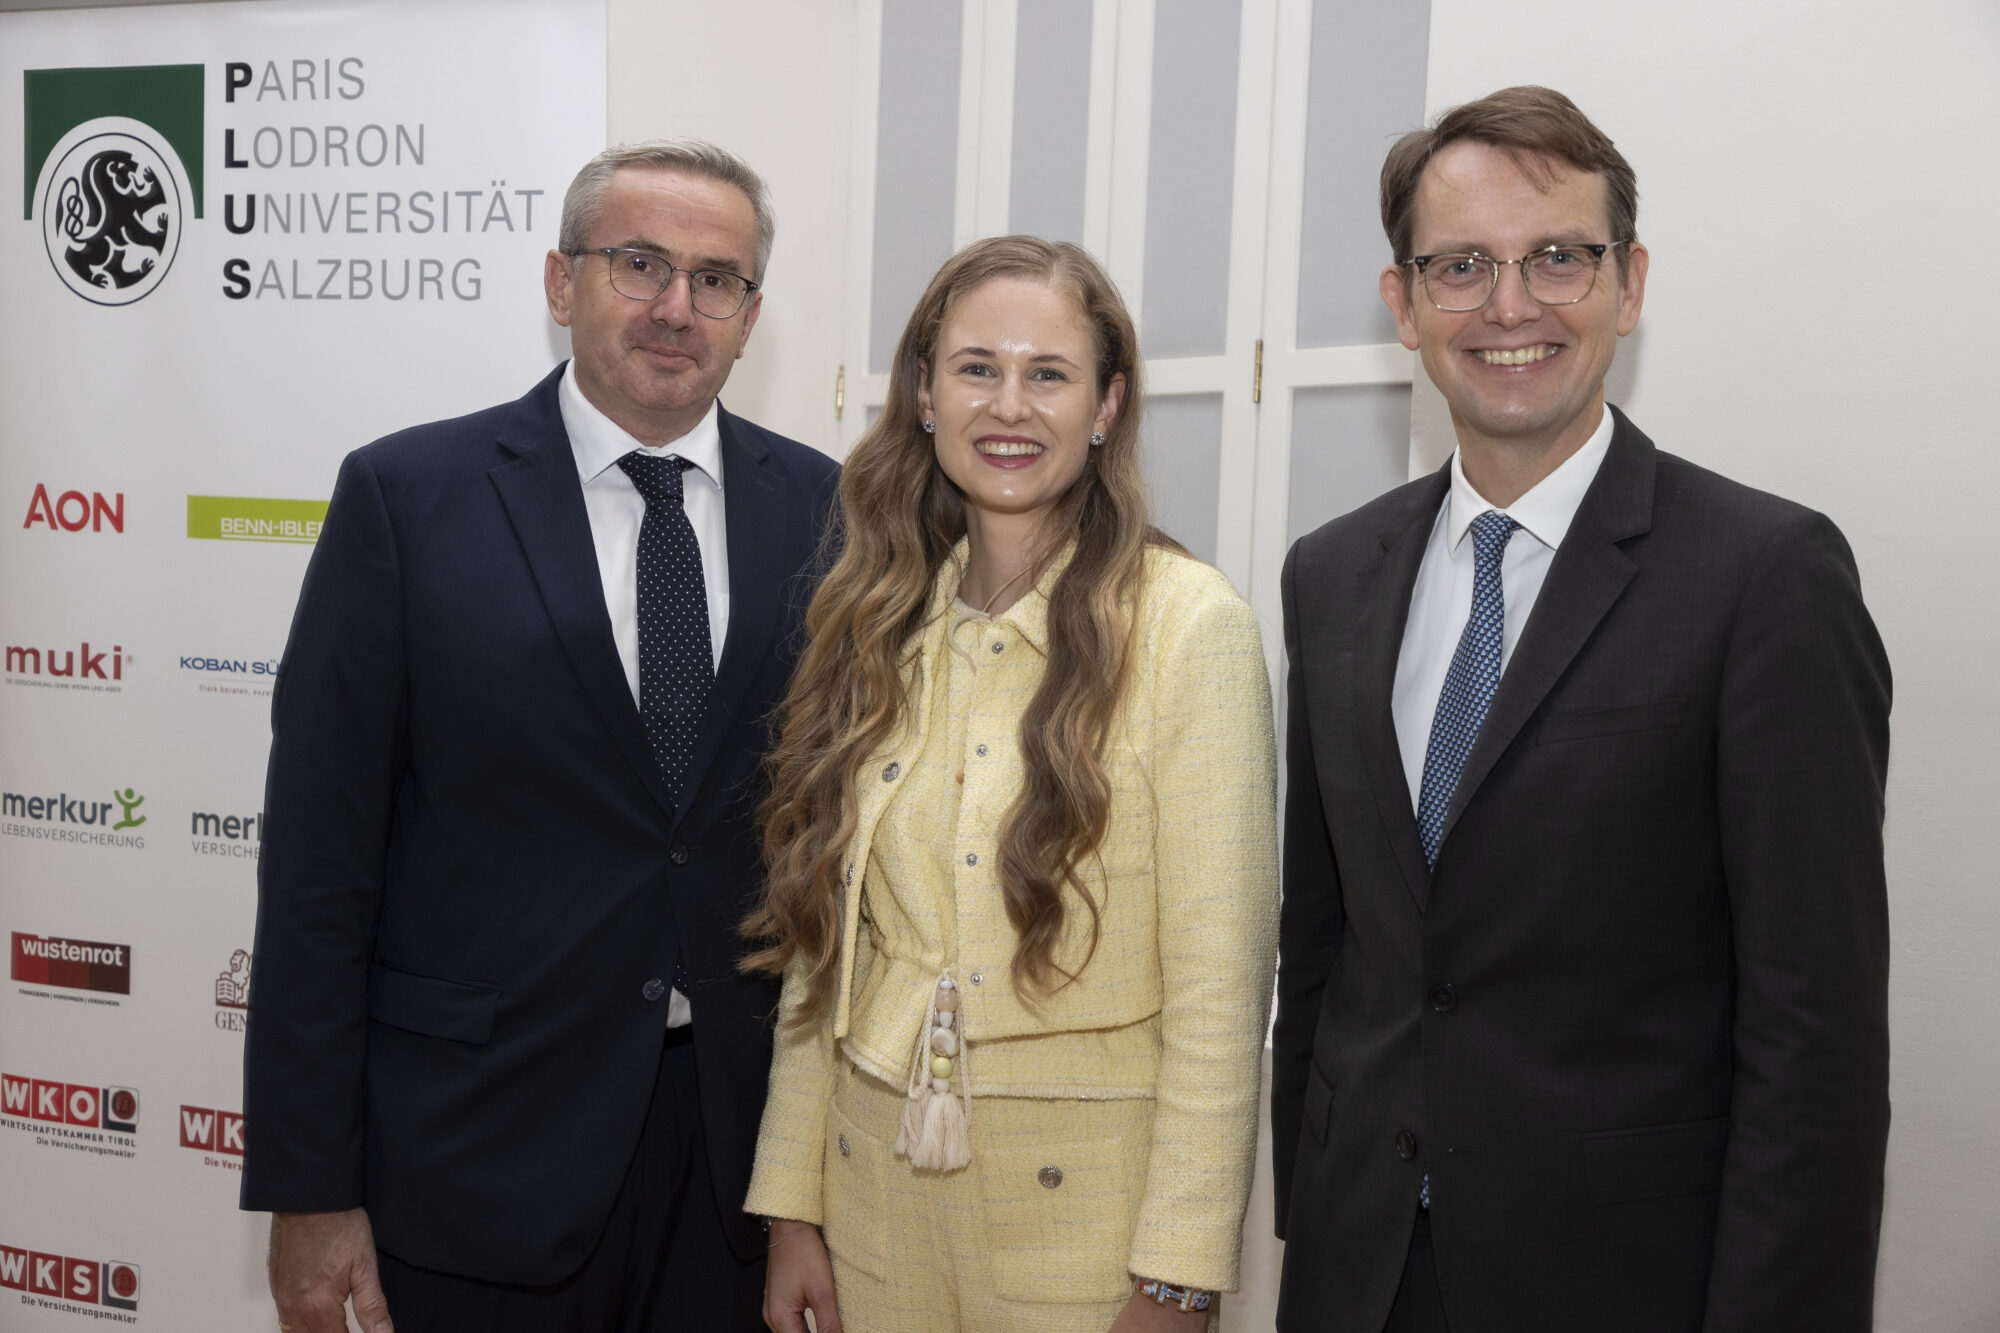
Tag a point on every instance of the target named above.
point(503, 1071)
point(1582, 994)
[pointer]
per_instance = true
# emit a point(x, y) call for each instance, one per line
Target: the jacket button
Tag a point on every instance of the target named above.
point(679, 855)
point(1050, 1176)
point(844, 1148)
point(653, 989)
point(1444, 997)
point(1406, 1145)
point(1001, 648)
point(980, 751)
point(891, 771)
point(972, 858)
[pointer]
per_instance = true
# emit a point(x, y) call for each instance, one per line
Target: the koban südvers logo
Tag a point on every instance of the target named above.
point(117, 154)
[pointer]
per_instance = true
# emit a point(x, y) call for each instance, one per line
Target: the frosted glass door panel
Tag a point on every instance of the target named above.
point(1366, 88)
point(1180, 448)
point(1051, 119)
point(1190, 177)
point(1349, 444)
point(916, 163)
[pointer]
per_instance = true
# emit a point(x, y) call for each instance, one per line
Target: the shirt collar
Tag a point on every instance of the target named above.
point(1550, 505)
point(1029, 616)
point(599, 442)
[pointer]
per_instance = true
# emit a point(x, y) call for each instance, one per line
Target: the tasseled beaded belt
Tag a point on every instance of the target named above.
point(933, 1133)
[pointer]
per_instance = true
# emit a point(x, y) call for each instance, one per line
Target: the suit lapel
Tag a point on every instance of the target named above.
point(544, 500)
point(753, 501)
point(1382, 597)
point(1586, 578)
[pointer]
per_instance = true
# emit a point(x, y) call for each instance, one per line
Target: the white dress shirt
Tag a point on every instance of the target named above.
point(616, 509)
point(1441, 601)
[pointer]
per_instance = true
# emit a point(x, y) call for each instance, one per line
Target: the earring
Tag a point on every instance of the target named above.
point(1096, 438)
point(930, 427)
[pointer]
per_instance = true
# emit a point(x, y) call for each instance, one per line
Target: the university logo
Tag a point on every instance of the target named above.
point(74, 1281)
point(232, 993)
point(118, 151)
point(49, 960)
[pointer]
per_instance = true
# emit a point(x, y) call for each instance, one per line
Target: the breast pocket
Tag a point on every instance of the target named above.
point(1584, 724)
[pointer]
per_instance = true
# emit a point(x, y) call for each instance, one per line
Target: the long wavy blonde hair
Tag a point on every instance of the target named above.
point(901, 518)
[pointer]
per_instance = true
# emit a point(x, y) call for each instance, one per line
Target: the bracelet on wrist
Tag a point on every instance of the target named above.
point(1182, 1298)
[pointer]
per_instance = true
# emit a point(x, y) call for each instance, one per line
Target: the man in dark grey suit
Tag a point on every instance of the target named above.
point(1582, 994)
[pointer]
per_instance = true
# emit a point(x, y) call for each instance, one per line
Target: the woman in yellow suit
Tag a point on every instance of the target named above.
point(1022, 854)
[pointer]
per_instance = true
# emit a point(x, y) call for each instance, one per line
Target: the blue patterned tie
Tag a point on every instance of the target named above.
point(1469, 684)
point(676, 662)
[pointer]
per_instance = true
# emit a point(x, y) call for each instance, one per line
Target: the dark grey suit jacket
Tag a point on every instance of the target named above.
point(1634, 1024)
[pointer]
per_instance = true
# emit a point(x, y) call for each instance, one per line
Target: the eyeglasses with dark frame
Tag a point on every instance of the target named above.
point(642, 275)
point(1458, 281)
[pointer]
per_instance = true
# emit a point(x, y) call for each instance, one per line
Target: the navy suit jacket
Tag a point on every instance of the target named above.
point(471, 868)
point(1634, 1022)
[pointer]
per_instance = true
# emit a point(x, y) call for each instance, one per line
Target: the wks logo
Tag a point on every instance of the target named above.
point(79, 1105)
point(75, 1281)
point(211, 1131)
point(114, 163)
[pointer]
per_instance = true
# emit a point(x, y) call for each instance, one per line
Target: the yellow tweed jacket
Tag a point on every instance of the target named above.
point(1175, 1001)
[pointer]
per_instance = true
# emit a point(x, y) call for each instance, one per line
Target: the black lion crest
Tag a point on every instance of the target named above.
point(103, 213)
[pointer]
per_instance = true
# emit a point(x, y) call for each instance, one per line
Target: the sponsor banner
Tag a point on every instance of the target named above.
point(231, 518)
point(239, 242)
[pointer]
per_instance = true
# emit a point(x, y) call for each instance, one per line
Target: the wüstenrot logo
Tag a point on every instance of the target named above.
point(60, 817)
point(118, 153)
point(50, 960)
point(60, 1283)
point(234, 518)
point(82, 1117)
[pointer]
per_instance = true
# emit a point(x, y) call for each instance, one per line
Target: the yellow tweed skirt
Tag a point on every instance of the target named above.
point(1032, 1237)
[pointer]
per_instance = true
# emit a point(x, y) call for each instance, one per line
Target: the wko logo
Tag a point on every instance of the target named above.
point(211, 1131)
point(64, 818)
point(44, 1100)
point(119, 155)
point(49, 960)
point(73, 511)
point(77, 1281)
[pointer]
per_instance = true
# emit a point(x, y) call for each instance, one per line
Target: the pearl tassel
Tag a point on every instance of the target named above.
point(933, 1131)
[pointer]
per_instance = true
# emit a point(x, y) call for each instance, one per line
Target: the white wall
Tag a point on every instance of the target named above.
point(780, 102)
point(1803, 170)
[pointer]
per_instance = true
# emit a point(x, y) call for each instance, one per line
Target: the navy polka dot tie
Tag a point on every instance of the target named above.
point(676, 662)
point(1470, 683)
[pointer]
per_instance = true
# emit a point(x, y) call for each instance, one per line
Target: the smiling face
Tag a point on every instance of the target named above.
point(1012, 386)
point(1515, 373)
point(655, 366)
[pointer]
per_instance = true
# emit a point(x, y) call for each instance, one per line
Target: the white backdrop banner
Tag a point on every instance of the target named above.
point(236, 241)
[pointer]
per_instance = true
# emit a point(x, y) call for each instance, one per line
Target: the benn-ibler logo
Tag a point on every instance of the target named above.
point(232, 993)
point(56, 1278)
point(61, 817)
point(49, 960)
point(238, 518)
point(119, 155)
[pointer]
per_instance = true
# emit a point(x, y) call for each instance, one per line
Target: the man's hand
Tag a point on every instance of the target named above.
point(318, 1260)
point(799, 1278)
point(1143, 1314)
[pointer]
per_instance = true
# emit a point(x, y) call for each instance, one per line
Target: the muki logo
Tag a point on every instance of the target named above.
point(78, 1104)
point(114, 144)
point(79, 1281)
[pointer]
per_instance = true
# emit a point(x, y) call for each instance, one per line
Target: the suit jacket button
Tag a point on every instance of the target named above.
point(1444, 997)
point(1050, 1176)
point(1406, 1145)
point(653, 989)
point(679, 855)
